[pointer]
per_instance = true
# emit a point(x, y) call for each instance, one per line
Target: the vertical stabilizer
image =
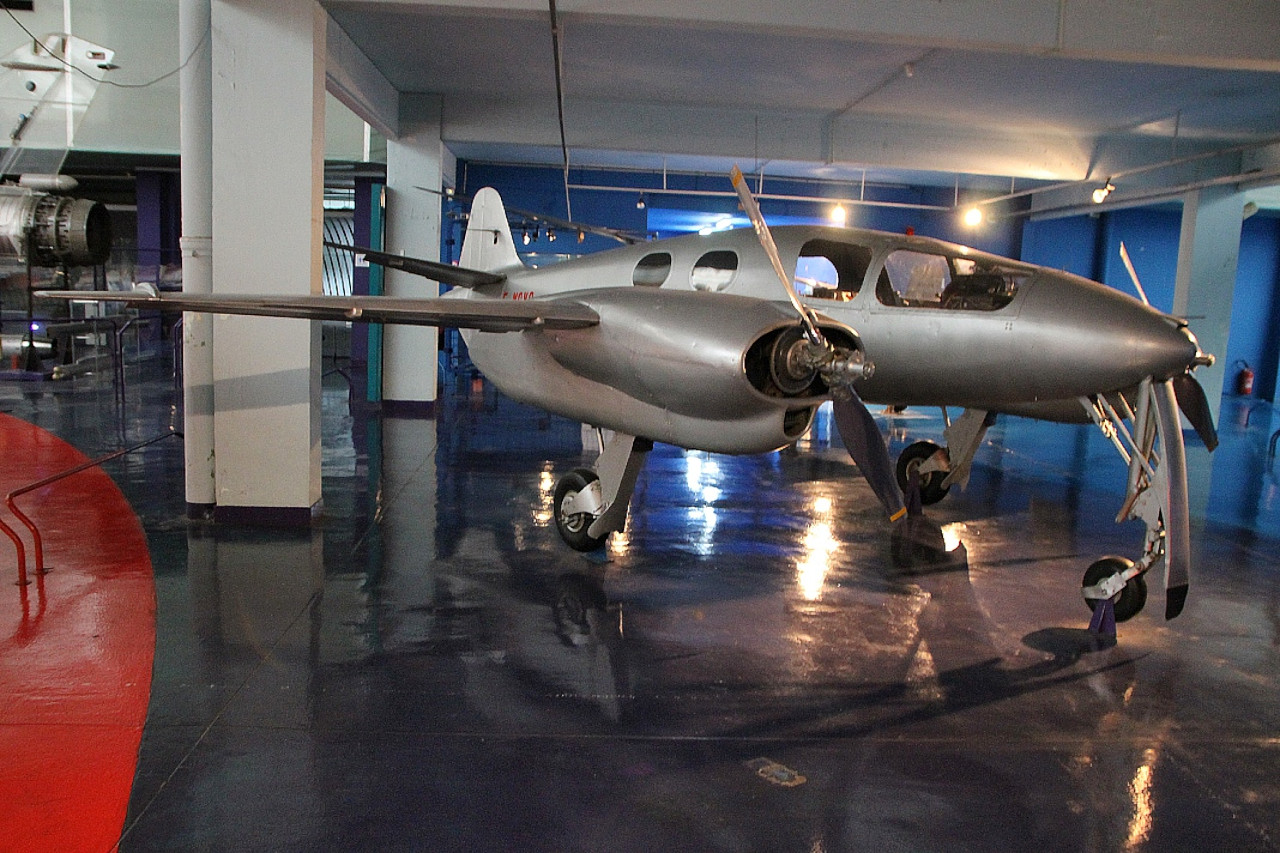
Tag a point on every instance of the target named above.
point(487, 245)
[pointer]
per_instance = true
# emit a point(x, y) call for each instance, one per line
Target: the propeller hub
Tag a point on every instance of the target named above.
point(846, 367)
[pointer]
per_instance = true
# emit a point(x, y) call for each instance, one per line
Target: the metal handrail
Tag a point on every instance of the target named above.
point(37, 541)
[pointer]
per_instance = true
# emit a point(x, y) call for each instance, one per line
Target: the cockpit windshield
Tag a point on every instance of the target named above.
point(955, 283)
point(829, 269)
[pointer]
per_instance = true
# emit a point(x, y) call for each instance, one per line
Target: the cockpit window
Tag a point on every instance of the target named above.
point(714, 271)
point(924, 280)
point(828, 269)
point(652, 270)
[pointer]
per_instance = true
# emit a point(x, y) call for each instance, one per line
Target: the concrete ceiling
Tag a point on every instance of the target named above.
point(912, 90)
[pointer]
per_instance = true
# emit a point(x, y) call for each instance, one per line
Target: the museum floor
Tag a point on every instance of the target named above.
point(756, 665)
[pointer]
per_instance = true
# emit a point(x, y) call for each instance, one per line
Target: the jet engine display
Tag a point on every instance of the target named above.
point(50, 230)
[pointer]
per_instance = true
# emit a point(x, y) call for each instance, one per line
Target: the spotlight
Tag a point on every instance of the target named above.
point(838, 215)
point(551, 234)
point(973, 217)
point(524, 236)
point(1101, 193)
point(640, 202)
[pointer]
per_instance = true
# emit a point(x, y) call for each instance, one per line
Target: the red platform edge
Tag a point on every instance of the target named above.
point(76, 652)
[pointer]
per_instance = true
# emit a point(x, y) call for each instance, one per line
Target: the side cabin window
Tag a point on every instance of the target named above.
point(652, 270)
point(924, 280)
point(828, 269)
point(714, 271)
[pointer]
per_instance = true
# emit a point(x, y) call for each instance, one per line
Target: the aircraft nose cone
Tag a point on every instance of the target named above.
point(1158, 347)
point(1112, 340)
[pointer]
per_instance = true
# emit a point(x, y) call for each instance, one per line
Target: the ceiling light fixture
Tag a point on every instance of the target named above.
point(1101, 193)
point(973, 217)
point(640, 202)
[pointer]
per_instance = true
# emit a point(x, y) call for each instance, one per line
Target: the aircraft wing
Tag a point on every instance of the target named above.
point(488, 315)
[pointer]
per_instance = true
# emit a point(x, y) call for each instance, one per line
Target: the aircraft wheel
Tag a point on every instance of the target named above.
point(1130, 600)
point(573, 527)
point(931, 488)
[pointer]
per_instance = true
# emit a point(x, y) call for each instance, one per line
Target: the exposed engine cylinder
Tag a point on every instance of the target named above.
point(775, 365)
point(50, 230)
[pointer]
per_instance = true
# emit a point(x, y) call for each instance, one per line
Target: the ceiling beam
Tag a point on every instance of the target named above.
point(352, 78)
point(1168, 32)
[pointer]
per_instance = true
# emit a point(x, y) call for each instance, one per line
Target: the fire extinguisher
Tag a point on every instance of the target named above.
point(1244, 379)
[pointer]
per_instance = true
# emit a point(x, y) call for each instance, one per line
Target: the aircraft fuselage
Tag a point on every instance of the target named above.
point(944, 325)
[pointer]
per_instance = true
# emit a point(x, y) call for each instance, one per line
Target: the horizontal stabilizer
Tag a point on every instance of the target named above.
point(443, 273)
point(487, 315)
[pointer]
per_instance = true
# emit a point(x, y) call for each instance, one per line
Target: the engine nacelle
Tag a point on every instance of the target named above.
point(50, 230)
point(699, 355)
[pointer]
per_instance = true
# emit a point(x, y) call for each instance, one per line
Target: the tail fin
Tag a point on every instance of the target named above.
point(487, 245)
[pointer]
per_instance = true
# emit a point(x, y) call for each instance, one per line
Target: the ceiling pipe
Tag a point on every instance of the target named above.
point(1245, 181)
point(1140, 170)
point(904, 205)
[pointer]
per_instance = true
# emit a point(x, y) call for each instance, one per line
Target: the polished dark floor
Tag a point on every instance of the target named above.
point(758, 664)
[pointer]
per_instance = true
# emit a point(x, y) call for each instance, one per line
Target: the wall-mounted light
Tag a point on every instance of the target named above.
point(972, 217)
point(1101, 193)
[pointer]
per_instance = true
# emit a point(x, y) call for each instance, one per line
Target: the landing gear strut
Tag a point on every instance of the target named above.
point(939, 468)
point(589, 505)
point(1148, 437)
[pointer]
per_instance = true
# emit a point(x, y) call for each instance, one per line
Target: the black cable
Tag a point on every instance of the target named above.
point(564, 146)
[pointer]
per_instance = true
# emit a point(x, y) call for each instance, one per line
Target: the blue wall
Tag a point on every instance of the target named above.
point(1255, 314)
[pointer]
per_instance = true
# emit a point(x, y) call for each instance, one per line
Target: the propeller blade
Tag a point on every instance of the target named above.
point(1133, 274)
point(771, 249)
point(1195, 405)
point(866, 445)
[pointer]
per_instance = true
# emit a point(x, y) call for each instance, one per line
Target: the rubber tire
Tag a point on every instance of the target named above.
point(931, 488)
point(1130, 601)
point(573, 528)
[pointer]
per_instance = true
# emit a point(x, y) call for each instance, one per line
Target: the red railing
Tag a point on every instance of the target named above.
point(38, 542)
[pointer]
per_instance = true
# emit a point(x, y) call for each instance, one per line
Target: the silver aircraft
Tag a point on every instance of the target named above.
point(729, 343)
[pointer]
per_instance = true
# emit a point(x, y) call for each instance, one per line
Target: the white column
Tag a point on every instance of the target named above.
point(268, 156)
point(413, 228)
point(1208, 252)
point(196, 140)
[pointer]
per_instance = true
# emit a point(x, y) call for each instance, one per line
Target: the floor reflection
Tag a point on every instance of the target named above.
point(429, 667)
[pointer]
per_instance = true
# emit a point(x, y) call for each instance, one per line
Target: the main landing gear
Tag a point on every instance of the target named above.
point(939, 468)
point(591, 504)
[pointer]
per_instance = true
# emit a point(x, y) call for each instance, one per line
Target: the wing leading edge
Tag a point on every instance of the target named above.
point(487, 315)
